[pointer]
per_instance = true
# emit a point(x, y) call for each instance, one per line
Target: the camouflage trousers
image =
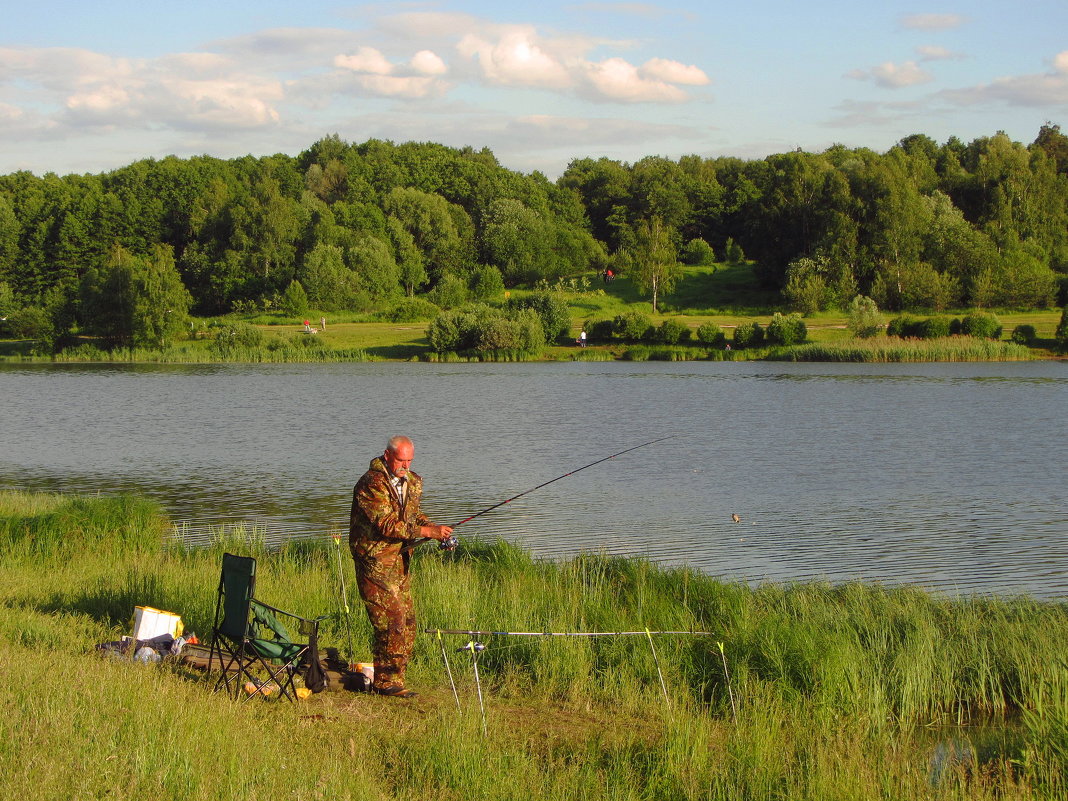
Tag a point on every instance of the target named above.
point(385, 587)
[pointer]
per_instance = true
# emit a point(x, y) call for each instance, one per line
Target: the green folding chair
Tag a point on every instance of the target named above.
point(252, 644)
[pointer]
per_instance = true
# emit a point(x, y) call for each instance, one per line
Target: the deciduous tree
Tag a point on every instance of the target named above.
point(652, 264)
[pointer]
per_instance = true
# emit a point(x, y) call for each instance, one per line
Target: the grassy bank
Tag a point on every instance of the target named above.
point(848, 692)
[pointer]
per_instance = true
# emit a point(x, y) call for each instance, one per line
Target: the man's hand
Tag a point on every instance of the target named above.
point(436, 532)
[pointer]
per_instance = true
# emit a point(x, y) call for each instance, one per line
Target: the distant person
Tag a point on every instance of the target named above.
point(385, 516)
point(307, 326)
point(582, 338)
point(322, 323)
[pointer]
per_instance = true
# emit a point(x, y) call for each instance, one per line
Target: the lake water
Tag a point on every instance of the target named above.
point(945, 476)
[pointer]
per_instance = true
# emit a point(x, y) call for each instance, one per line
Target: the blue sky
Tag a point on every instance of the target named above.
point(91, 86)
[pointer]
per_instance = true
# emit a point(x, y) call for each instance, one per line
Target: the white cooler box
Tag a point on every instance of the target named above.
point(148, 623)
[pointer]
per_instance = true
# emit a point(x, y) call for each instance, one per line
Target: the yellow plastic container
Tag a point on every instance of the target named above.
point(148, 623)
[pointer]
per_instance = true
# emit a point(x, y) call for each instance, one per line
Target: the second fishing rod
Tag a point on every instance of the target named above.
point(451, 542)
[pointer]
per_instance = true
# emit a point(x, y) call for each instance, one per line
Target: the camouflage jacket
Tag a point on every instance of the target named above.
point(378, 524)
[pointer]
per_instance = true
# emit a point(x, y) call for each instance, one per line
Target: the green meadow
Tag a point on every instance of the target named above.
point(807, 691)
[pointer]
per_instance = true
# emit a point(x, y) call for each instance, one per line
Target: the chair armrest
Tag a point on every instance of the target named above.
point(306, 626)
point(293, 615)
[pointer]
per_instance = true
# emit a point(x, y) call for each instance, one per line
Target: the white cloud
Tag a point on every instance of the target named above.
point(515, 59)
point(893, 76)
point(1047, 92)
point(366, 59)
point(616, 79)
point(1049, 89)
point(518, 56)
point(182, 90)
point(290, 84)
point(427, 62)
point(674, 72)
point(409, 87)
point(933, 22)
point(102, 99)
point(237, 102)
point(936, 53)
point(376, 75)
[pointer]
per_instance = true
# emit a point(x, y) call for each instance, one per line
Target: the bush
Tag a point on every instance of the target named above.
point(450, 292)
point(981, 325)
point(711, 334)
point(1061, 334)
point(733, 252)
point(748, 335)
point(1024, 334)
point(294, 300)
point(904, 326)
point(495, 332)
point(632, 326)
point(672, 332)
point(410, 310)
point(31, 322)
point(553, 311)
point(786, 330)
point(232, 337)
point(865, 321)
point(486, 283)
point(444, 332)
point(698, 252)
point(934, 327)
point(484, 329)
point(599, 330)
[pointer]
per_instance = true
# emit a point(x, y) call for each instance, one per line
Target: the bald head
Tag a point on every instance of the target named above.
point(398, 440)
point(398, 456)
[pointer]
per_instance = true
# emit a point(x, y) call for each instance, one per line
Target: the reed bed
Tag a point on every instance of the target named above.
point(797, 692)
point(276, 352)
point(896, 349)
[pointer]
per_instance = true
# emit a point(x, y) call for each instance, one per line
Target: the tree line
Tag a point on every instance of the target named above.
point(127, 253)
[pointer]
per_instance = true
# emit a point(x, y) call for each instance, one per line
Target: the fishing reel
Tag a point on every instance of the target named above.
point(449, 543)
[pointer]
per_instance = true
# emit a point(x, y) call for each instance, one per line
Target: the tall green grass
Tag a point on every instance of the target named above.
point(277, 351)
point(895, 349)
point(842, 692)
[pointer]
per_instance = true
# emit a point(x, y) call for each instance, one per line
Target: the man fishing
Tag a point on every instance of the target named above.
point(385, 516)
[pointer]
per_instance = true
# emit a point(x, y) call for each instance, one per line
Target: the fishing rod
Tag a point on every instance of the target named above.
point(193, 534)
point(451, 542)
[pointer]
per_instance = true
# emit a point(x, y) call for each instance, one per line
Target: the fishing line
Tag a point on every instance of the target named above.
point(450, 545)
point(258, 533)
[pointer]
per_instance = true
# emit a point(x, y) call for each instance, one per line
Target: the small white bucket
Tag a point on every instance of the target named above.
point(148, 623)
